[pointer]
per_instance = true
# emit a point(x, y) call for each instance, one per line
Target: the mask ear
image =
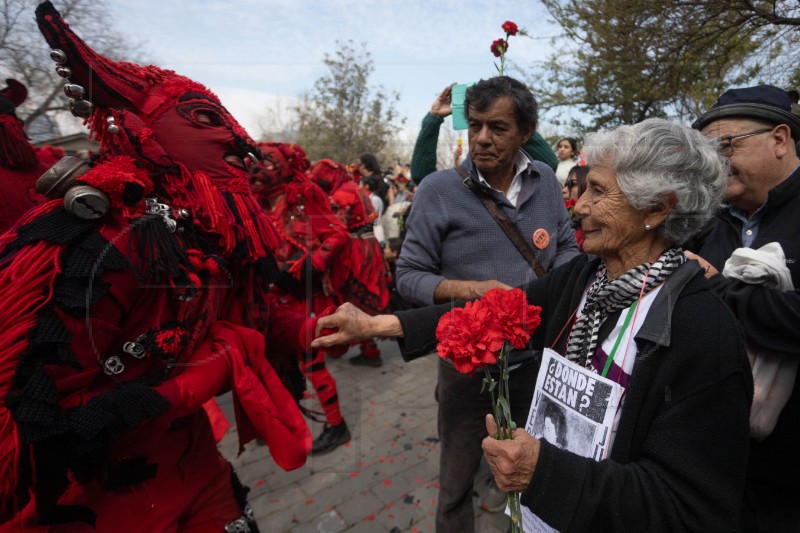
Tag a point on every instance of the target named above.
point(15, 92)
point(104, 82)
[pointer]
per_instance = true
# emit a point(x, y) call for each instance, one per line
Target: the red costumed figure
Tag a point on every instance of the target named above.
point(131, 302)
point(362, 276)
point(21, 163)
point(312, 240)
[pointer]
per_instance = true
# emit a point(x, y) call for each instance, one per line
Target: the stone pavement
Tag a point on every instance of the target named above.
point(385, 479)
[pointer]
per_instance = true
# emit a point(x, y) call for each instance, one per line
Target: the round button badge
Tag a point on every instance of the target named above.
point(541, 239)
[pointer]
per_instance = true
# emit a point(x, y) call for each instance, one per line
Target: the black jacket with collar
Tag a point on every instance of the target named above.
point(678, 459)
point(771, 321)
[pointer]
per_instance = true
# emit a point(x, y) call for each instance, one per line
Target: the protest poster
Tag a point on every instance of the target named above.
point(574, 409)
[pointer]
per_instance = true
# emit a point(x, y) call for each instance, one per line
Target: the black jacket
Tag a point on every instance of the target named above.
point(678, 460)
point(771, 320)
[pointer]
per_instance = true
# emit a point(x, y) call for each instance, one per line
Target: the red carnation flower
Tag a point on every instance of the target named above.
point(510, 28)
point(499, 47)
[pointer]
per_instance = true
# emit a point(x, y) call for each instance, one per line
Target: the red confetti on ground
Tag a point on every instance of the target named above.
point(389, 505)
point(309, 501)
point(361, 464)
point(391, 461)
point(433, 501)
point(370, 518)
point(259, 482)
point(382, 459)
point(387, 482)
point(421, 480)
point(415, 530)
point(353, 474)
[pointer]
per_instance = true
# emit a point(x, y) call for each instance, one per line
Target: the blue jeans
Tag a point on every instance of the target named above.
point(462, 427)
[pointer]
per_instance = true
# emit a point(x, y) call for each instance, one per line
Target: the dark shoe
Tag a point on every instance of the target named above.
point(360, 360)
point(331, 438)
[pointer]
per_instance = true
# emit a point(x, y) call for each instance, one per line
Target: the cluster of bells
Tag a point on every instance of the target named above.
point(77, 105)
point(83, 201)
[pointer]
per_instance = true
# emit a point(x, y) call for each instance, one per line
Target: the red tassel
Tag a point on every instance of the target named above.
point(28, 285)
point(15, 150)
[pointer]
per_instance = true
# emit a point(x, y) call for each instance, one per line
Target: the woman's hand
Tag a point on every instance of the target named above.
point(351, 324)
point(512, 461)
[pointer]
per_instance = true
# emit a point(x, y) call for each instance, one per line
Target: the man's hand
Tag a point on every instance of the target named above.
point(450, 289)
point(708, 267)
point(512, 461)
point(441, 106)
point(351, 324)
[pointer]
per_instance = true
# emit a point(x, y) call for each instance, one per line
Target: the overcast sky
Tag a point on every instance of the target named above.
point(261, 54)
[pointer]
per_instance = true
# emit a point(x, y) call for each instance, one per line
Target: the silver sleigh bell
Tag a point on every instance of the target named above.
point(86, 202)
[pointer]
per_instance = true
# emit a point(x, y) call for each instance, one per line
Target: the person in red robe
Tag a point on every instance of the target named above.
point(312, 241)
point(362, 276)
point(21, 163)
point(134, 296)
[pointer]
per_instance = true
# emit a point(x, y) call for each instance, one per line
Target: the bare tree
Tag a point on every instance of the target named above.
point(24, 54)
point(344, 116)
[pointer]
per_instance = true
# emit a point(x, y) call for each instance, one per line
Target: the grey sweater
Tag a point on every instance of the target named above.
point(451, 235)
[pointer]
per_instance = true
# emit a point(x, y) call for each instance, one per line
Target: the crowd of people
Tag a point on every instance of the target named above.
point(184, 259)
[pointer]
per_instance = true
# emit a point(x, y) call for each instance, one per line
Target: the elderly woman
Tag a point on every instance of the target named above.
point(679, 449)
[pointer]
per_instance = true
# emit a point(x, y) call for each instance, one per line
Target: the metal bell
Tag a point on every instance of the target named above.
point(86, 202)
point(58, 56)
point(73, 90)
point(60, 177)
point(80, 108)
point(112, 127)
point(64, 72)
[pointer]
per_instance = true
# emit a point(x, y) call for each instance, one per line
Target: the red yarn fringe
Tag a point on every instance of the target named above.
point(27, 286)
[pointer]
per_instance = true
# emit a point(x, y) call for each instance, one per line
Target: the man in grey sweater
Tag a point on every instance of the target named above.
point(455, 250)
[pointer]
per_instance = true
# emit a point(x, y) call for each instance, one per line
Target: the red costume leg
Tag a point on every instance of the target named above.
point(314, 369)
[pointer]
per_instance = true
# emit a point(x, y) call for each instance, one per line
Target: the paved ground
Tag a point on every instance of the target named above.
point(385, 479)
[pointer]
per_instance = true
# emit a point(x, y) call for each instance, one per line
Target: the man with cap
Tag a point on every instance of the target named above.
point(757, 134)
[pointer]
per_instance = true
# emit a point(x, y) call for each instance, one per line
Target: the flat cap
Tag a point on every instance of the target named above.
point(762, 102)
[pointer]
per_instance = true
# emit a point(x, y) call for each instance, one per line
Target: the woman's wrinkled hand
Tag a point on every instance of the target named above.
point(512, 461)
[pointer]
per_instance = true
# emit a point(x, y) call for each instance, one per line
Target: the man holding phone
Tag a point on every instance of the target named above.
point(456, 250)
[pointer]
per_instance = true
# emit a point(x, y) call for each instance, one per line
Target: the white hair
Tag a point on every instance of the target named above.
point(656, 158)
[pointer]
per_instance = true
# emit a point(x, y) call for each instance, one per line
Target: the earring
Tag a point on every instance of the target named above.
point(647, 227)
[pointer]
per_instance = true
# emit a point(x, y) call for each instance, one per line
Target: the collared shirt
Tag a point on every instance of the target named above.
point(521, 164)
point(749, 224)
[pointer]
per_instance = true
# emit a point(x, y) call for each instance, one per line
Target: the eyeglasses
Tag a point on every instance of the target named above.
point(726, 143)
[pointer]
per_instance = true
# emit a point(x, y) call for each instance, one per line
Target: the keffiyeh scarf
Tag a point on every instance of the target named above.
point(605, 297)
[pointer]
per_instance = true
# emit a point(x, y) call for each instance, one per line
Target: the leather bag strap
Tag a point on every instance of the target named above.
point(508, 227)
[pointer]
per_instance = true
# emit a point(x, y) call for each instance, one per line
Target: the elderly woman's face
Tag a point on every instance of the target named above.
point(611, 226)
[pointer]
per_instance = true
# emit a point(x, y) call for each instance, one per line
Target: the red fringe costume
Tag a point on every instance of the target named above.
point(362, 275)
point(21, 163)
point(313, 239)
point(115, 331)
